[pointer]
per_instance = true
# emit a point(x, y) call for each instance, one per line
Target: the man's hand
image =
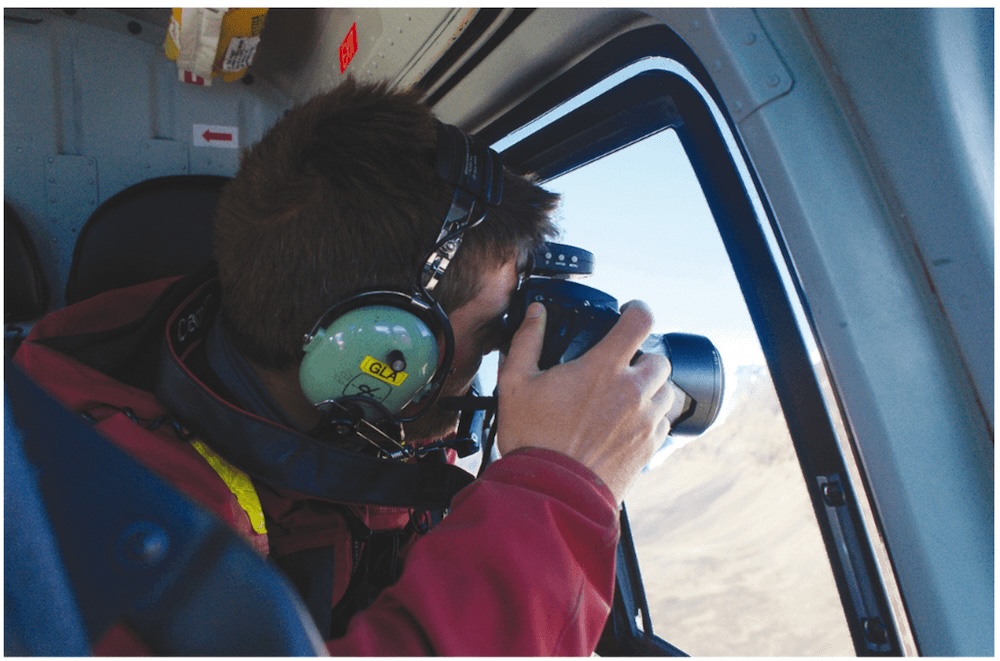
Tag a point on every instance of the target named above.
point(598, 409)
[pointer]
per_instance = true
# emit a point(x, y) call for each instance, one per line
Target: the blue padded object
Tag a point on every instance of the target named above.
point(156, 228)
point(167, 568)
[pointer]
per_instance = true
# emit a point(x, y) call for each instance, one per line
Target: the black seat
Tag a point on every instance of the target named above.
point(156, 228)
point(25, 288)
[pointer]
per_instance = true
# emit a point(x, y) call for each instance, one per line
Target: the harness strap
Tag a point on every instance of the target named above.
point(239, 484)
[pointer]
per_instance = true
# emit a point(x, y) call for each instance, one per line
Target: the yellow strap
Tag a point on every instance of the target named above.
point(238, 482)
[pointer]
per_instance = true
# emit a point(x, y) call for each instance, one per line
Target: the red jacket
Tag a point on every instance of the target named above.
point(522, 565)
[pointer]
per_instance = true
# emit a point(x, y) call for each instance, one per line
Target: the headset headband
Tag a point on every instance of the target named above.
point(476, 172)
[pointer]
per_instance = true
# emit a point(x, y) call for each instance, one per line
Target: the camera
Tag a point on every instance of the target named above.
point(578, 316)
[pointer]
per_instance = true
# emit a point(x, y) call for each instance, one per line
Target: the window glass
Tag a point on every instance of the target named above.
point(730, 553)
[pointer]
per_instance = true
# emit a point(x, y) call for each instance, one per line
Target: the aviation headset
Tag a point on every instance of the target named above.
point(370, 355)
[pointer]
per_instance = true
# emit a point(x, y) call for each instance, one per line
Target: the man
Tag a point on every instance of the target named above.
point(341, 197)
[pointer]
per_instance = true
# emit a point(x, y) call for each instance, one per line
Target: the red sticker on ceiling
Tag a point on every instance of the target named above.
point(349, 47)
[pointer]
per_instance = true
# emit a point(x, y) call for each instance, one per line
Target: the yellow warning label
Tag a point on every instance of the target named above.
point(382, 372)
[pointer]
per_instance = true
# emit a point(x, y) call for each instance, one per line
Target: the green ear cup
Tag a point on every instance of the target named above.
point(378, 357)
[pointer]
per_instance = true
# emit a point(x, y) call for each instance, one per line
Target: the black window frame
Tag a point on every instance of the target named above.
point(651, 101)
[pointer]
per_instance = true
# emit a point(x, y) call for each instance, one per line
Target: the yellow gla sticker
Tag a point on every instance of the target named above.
point(382, 372)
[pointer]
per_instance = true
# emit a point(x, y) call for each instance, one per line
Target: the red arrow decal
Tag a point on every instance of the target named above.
point(209, 136)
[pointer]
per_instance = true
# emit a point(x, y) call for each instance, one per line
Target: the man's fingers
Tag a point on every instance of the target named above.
point(662, 431)
point(654, 369)
point(629, 332)
point(526, 345)
point(663, 400)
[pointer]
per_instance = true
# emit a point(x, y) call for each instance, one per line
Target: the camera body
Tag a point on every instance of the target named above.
point(578, 316)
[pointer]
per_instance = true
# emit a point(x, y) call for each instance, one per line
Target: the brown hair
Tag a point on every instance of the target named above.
point(341, 195)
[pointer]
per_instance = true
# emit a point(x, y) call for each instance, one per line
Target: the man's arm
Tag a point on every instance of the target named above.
point(524, 564)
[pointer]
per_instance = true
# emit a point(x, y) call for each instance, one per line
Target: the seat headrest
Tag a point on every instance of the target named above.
point(153, 229)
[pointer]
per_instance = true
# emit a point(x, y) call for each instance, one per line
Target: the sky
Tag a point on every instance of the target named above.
point(643, 215)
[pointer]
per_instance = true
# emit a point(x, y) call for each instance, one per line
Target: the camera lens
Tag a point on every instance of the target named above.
point(697, 370)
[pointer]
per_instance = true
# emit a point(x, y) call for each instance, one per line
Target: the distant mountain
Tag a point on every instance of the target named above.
point(729, 550)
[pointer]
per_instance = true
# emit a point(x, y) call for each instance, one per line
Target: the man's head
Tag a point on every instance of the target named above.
point(340, 196)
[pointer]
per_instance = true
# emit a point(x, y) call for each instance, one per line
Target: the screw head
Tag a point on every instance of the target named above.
point(396, 360)
point(832, 494)
point(876, 632)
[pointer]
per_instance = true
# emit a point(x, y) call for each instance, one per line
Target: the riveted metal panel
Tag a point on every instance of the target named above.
point(70, 197)
point(739, 56)
point(95, 84)
point(393, 45)
point(159, 158)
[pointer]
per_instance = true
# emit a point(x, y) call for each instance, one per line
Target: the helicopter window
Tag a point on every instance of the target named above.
point(731, 557)
point(750, 538)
